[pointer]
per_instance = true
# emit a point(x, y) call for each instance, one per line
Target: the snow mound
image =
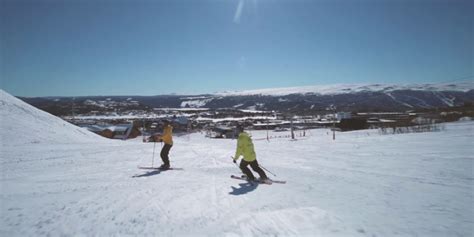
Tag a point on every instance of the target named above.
point(21, 123)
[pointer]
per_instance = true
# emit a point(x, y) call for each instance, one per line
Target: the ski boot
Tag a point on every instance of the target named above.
point(247, 178)
point(264, 180)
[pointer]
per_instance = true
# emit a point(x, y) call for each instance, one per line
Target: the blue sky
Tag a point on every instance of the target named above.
point(149, 47)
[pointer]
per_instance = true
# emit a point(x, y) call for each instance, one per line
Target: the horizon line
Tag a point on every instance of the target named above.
point(223, 92)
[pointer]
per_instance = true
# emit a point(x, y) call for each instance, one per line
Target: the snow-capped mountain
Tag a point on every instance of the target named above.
point(310, 99)
point(384, 97)
point(354, 88)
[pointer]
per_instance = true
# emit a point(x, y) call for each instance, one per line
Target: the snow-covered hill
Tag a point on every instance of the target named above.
point(361, 184)
point(354, 88)
point(22, 123)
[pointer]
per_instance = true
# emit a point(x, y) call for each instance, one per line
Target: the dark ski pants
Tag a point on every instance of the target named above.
point(164, 154)
point(255, 167)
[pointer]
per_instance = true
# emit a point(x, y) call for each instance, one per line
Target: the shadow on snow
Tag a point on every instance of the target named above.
point(151, 173)
point(243, 188)
point(155, 171)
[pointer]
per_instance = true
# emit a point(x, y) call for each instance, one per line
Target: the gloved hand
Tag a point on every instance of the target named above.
point(235, 161)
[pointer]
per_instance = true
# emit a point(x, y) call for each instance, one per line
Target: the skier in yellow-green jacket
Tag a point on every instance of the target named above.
point(245, 148)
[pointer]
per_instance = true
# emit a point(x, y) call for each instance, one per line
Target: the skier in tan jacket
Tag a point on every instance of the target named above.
point(167, 138)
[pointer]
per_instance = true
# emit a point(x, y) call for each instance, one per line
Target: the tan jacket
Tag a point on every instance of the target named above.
point(167, 136)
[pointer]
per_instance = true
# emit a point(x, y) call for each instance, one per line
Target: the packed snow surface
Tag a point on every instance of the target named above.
point(361, 184)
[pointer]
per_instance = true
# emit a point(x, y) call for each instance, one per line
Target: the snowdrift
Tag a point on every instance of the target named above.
point(22, 123)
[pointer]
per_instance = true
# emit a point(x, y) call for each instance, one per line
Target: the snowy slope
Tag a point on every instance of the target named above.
point(22, 123)
point(361, 184)
point(354, 88)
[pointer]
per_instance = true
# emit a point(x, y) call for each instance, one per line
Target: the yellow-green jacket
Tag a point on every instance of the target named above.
point(245, 148)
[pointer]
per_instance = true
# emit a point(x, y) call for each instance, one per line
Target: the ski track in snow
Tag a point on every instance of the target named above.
point(447, 101)
point(398, 101)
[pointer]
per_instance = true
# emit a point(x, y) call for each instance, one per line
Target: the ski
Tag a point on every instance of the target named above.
point(158, 168)
point(268, 181)
point(278, 181)
point(245, 179)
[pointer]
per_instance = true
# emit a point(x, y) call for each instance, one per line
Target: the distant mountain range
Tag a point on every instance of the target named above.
point(305, 100)
point(355, 88)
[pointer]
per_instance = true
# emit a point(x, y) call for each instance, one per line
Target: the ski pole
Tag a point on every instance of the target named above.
point(234, 163)
point(153, 157)
point(267, 170)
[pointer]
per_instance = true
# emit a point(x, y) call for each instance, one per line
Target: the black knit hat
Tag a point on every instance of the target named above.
point(239, 127)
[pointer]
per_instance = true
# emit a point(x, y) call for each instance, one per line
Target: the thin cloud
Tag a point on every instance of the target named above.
point(242, 63)
point(238, 11)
